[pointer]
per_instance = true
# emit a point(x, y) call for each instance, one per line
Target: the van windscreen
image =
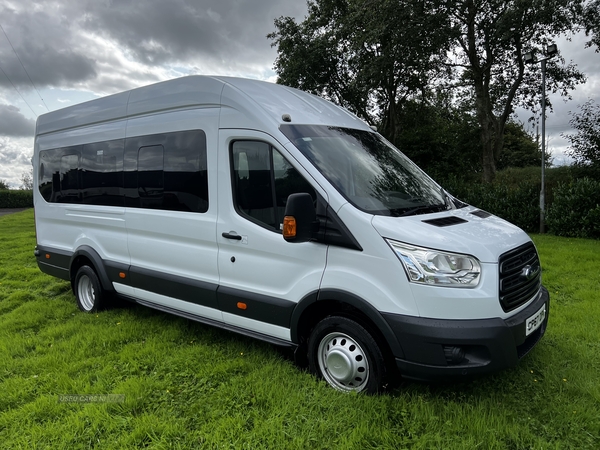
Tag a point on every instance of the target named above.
point(367, 170)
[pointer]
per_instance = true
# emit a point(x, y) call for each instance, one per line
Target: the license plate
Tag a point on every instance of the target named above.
point(535, 321)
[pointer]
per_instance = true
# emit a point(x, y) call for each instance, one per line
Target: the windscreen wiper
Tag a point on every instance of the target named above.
point(422, 210)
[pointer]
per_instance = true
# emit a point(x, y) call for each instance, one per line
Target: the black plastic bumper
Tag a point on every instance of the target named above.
point(438, 349)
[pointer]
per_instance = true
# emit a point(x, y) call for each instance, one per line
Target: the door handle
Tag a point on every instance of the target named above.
point(232, 235)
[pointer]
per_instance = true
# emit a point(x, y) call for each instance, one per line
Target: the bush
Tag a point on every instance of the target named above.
point(575, 211)
point(16, 199)
point(518, 204)
point(515, 195)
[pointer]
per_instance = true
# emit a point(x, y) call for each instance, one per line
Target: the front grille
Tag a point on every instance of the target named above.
point(520, 276)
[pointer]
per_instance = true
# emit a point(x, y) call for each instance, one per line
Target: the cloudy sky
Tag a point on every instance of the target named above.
point(77, 50)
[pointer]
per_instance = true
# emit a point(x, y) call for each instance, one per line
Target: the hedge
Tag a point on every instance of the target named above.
point(575, 211)
point(16, 199)
point(519, 204)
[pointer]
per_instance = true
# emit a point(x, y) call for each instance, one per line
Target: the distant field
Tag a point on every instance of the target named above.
point(178, 384)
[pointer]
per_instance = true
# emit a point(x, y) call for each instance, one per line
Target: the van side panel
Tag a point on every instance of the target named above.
point(172, 248)
point(66, 223)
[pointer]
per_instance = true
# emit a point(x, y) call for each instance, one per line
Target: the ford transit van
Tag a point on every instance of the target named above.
point(273, 213)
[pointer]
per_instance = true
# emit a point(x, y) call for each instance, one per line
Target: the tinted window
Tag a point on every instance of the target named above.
point(69, 179)
point(185, 175)
point(150, 176)
point(102, 173)
point(160, 171)
point(262, 181)
point(167, 171)
point(58, 175)
point(49, 174)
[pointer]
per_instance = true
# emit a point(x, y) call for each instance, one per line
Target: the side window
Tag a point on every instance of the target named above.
point(185, 173)
point(69, 179)
point(159, 171)
point(262, 181)
point(49, 174)
point(102, 173)
point(150, 176)
point(167, 171)
point(252, 180)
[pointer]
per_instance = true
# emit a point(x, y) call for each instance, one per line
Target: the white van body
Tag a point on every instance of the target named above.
point(172, 195)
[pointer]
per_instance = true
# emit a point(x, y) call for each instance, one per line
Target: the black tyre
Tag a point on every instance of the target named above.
point(88, 290)
point(346, 355)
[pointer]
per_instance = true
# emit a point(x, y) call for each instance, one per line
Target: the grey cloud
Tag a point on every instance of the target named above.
point(63, 43)
point(13, 123)
point(222, 32)
point(47, 47)
point(13, 157)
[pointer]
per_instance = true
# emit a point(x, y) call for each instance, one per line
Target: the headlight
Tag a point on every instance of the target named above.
point(427, 266)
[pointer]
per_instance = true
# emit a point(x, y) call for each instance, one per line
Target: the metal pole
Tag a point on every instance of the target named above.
point(542, 199)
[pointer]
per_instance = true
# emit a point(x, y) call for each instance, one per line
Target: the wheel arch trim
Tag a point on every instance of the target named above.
point(354, 301)
point(91, 254)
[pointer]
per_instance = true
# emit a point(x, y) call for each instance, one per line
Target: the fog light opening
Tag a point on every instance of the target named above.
point(454, 354)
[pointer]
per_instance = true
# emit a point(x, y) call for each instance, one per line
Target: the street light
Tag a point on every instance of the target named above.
point(530, 58)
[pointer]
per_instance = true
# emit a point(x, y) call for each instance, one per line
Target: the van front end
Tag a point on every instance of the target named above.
point(453, 348)
point(458, 289)
point(476, 281)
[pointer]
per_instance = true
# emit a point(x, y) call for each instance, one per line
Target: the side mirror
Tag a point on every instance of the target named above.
point(299, 217)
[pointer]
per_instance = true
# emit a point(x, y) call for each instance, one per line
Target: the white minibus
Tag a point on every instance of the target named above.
point(273, 213)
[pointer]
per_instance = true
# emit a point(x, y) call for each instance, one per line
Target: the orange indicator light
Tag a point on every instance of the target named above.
point(241, 305)
point(47, 255)
point(289, 227)
point(121, 274)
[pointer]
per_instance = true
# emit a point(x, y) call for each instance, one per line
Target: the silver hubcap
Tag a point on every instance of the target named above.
point(86, 293)
point(343, 362)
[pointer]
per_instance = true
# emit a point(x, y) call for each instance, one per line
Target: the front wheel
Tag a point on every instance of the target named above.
point(345, 354)
point(88, 290)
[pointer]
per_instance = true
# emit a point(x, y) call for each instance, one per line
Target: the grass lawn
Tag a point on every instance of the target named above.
point(180, 384)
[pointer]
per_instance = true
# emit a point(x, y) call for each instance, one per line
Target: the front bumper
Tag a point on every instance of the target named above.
point(437, 348)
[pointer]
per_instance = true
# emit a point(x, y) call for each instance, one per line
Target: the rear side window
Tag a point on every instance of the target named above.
point(262, 181)
point(159, 171)
point(167, 171)
point(101, 174)
point(59, 175)
point(151, 179)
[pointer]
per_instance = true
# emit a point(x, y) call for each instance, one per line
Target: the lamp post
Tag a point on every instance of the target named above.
point(530, 58)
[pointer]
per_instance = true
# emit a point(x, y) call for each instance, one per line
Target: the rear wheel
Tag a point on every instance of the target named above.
point(346, 355)
point(88, 290)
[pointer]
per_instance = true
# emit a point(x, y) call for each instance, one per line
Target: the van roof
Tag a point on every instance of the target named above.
point(247, 103)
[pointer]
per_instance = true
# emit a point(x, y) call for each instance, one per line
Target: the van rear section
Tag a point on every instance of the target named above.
point(272, 213)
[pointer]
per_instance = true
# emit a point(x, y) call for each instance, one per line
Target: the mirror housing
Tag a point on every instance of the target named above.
point(299, 217)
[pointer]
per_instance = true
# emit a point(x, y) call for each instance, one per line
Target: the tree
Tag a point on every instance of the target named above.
point(591, 23)
point(370, 56)
point(375, 56)
point(492, 37)
point(3, 185)
point(520, 148)
point(585, 144)
point(27, 180)
point(439, 137)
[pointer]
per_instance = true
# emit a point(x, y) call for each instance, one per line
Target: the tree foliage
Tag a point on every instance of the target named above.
point(492, 37)
point(520, 148)
point(370, 56)
point(3, 185)
point(27, 180)
point(439, 137)
point(591, 23)
point(585, 143)
point(382, 58)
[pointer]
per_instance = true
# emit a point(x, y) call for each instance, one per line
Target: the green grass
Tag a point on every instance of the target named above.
point(186, 385)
